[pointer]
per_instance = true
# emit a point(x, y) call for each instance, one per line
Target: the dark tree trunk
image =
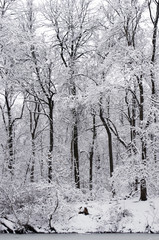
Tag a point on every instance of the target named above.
point(92, 154)
point(74, 142)
point(75, 151)
point(143, 188)
point(154, 40)
point(153, 60)
point(32, 172)
point(109, 141)
point(10, 148)
point(51, 136)
point(10, 136)
point(133, 119)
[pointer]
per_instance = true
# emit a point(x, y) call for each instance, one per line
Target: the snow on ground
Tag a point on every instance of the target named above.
point(112, 216)
point(130, 215)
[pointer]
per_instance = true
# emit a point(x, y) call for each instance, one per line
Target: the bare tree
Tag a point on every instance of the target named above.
point(73, 29)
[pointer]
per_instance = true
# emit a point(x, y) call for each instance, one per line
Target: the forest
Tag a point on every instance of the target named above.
point(79, 107)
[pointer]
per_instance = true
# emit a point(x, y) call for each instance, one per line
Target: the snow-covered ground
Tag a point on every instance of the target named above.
point(130, 215)
point(113, 216)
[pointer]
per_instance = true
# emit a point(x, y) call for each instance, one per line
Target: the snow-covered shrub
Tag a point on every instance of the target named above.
point(153, 178)
point(40, 204)
point(28, 204)
point(71, 194)
point(123, 181)
point(117, 215)
point(126, 178)
point(99, 193)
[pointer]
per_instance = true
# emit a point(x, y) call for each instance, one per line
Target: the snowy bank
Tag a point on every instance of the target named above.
point(113, 216)
point(45, 210)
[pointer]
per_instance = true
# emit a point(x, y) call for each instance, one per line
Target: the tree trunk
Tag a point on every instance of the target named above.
point(51, 139)
point(143, 188)
point(10, 148)
point(133, 117)
point(153, 60)
point(74, 141)
point(154, 41)
point(41, 156)
point(75, 151)
point(109, 141)
point(92, 154)
point(10, 139)
point(32, 172)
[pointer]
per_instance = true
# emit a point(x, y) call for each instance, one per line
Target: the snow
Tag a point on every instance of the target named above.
point(124, 216)
point(116, 215)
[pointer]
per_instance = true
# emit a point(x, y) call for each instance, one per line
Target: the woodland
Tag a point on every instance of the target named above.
point(79, 105)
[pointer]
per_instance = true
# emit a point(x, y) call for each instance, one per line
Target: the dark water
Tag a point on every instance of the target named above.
point(80, 237)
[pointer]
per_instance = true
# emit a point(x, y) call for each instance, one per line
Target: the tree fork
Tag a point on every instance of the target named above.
point(109, 141)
